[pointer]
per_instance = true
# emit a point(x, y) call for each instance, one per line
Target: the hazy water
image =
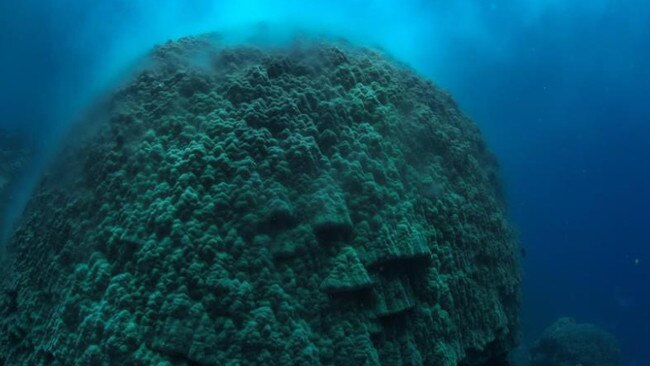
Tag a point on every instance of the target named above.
point(561, 90)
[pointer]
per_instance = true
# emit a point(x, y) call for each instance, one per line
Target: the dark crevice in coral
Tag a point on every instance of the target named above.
point(181, 359)
point(406, 264)
point(331, 232)
point(12, 300)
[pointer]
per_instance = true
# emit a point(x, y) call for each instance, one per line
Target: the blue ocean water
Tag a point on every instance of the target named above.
point(560, 89)
point(568, 113)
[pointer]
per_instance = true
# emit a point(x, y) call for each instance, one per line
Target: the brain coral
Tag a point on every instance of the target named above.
point(243, 205)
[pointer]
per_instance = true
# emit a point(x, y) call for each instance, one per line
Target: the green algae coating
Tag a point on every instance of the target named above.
point(237, 205)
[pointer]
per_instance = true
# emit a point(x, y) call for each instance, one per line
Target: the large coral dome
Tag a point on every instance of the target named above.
point(306, 204)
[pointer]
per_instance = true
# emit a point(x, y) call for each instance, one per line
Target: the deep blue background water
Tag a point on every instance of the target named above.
point(568, 113)
point(561, 90)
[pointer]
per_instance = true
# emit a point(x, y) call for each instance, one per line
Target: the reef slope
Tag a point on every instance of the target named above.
point(311, 204)
point(15, 154)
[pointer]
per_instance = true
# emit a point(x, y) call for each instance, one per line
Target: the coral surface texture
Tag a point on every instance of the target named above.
point(314, 203)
